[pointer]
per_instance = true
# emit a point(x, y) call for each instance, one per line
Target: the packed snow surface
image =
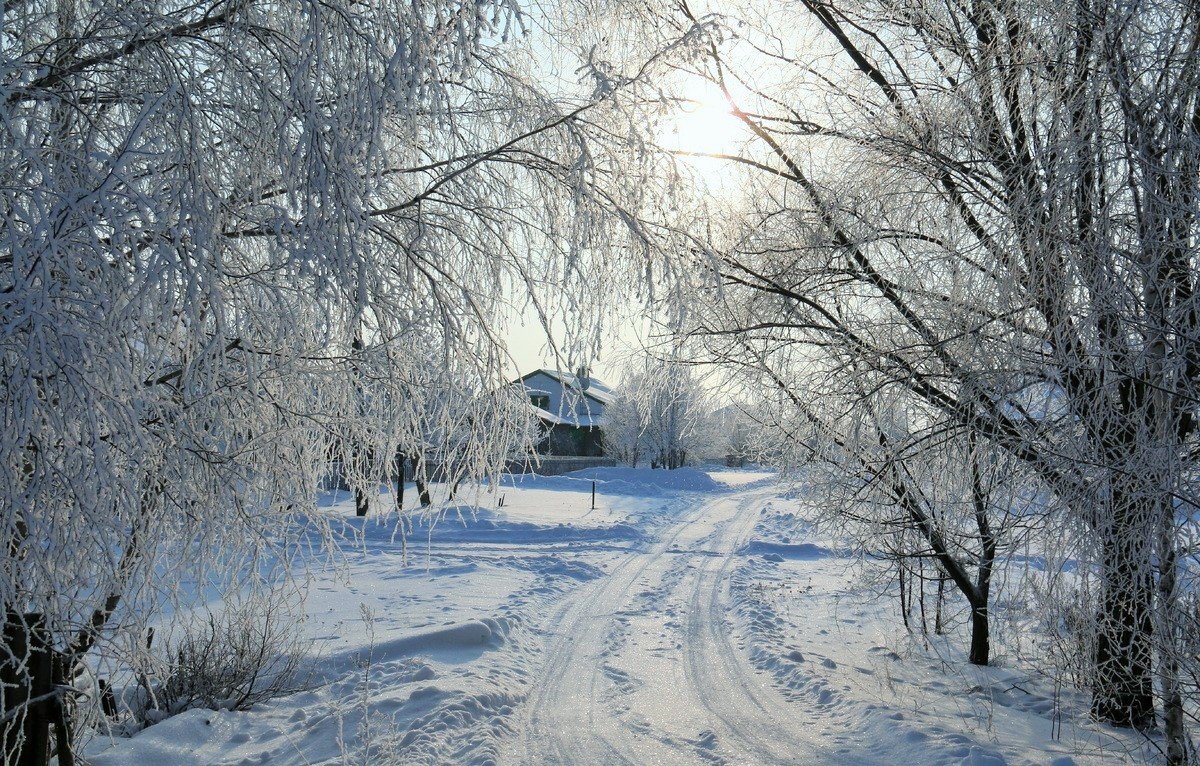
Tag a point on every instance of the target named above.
point(688, 617)
point(638, 482)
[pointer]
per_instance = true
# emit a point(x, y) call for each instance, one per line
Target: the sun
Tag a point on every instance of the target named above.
point(703, 130)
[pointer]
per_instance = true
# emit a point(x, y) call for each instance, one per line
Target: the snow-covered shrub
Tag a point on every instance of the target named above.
point(1068, 624)
point(230, 658)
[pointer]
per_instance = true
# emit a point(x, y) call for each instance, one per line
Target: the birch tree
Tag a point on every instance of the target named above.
point(663, 416)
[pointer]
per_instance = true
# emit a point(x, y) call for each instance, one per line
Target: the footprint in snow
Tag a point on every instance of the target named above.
point(706, 748)
point(707, 740)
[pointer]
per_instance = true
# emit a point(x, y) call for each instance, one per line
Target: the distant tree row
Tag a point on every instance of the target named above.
point(664, 418)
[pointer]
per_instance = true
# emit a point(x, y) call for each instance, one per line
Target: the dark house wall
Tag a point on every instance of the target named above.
point(571, 440)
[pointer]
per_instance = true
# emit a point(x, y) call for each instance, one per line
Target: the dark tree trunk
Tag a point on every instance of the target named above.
point(988, 542)
point(27, 733)
point(980, 636)
point(921, 596)
point(422, 487)
point(64, 753)
point(1123, 693)
point(977, 592)
point(360, 497)
point(939, 625)
point(1174, 726)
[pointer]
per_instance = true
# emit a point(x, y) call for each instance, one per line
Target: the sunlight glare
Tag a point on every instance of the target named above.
point(702, 127)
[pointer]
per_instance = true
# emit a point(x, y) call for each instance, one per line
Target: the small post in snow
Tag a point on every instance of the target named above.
point(593, 494)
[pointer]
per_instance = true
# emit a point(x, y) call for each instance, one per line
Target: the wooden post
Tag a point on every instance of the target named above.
point(593, 494)
point(400, 461)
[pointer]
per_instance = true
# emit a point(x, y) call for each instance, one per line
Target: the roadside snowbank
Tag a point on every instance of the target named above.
point(649, 482)
point(823, 628)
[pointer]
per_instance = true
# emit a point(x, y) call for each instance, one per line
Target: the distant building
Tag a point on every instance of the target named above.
point(571, 409)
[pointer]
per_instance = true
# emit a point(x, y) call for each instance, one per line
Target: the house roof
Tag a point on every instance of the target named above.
point(571, 419)
point(597, 390)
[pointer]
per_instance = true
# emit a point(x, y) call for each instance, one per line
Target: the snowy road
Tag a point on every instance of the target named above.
point(643, 667)
point(690, 617)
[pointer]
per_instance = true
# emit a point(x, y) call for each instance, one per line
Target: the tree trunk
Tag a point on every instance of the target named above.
point(27, 733)
point(980, 636)
point(921, 596)
point(64, 752)
point(1175, 730)
point(1123, 690)
point(422, 487)
point(939, 624)
point(988, 542)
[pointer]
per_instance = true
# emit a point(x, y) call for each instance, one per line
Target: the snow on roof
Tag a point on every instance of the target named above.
point(601, 391)
point(570, 419)
point(596, 388)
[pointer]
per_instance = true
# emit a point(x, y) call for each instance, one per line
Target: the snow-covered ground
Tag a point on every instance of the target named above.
point(692, 617)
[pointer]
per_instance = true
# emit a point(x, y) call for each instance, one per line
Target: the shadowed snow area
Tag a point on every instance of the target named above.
point(690, 617)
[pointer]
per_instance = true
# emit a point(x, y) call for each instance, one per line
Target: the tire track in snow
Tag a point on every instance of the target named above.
point(752, 719)
point(700, 702)
point(755, 720)
point(570, 720)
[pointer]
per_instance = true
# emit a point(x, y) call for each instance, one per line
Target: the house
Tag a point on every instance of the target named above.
point(571, 409)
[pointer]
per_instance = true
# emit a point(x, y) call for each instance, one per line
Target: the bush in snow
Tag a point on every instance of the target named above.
point(232, 659)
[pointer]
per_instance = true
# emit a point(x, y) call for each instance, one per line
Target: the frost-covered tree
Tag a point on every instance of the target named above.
point(623, 431)
point(909, 486)
point(987, 211)
point(663, 416)
point(428, 414)
point(236, 235)
point(737, 434)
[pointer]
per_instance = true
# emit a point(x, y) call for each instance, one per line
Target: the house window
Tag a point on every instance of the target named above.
point(542, 401)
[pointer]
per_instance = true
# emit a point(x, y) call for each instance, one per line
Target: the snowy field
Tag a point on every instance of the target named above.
point(692, 617)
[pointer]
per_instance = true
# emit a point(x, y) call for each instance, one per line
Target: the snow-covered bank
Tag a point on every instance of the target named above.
point(812, 618)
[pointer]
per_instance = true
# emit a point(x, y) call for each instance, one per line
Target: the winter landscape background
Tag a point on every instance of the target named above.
point(485, 381)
